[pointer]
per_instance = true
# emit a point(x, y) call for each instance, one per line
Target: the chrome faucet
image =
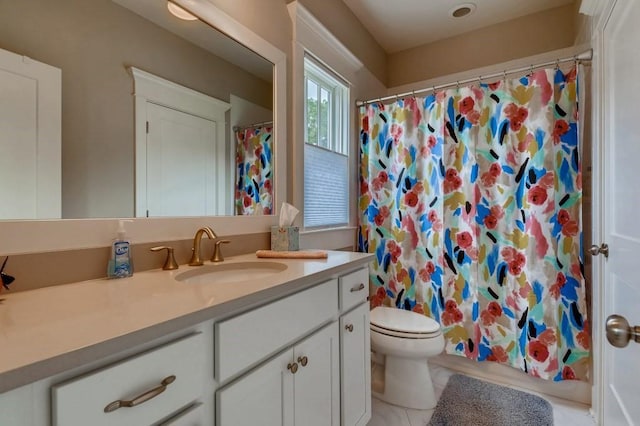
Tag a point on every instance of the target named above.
point(195, 256)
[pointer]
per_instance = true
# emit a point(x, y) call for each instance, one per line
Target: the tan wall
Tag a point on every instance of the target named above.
point(69, 266)
point(93, 41)
point(338, 18)
point(518, 38)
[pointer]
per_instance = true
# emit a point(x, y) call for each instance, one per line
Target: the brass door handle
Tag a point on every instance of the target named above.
point(603, 249)
point(357, 288)
point(349, 328)
point(150, 394)
point(293, 367)
point(619, 332)
point(303, 360)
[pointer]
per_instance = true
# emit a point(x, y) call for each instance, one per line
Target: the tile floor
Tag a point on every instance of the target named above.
point(565, 413)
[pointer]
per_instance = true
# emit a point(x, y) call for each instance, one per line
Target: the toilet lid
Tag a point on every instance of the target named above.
point(402, 321)
point(403, 335)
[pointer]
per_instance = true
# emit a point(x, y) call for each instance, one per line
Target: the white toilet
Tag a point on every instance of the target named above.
point(402, 341)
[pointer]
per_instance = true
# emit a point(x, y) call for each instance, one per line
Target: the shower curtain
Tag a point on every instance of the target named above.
point(470, 199)
point(254, 171)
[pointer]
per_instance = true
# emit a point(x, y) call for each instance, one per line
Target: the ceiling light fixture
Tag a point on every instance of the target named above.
point(179, 12)
point(462, 10)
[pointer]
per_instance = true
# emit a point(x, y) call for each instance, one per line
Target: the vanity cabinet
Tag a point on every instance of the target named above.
point(297, 387)
point(301, 358)
point(324, 379)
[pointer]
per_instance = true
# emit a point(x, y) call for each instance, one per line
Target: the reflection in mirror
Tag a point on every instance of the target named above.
point(75, 152)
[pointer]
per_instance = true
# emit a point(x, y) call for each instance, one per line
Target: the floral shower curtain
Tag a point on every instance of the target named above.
point(471, 200)
point(254, 171)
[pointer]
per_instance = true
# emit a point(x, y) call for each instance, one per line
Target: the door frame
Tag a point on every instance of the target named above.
point(149, 88)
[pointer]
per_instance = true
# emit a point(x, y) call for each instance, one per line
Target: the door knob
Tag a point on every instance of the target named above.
point(619, 332)
point(602, 249)
point(303, 360)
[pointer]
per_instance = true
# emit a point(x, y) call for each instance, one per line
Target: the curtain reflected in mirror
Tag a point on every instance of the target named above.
point(254, 170)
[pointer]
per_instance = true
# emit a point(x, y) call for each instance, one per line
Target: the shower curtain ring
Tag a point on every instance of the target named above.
point(557, 64)
point(504, 75)
point(479, 80)
point(531, 69)
point(457, 85)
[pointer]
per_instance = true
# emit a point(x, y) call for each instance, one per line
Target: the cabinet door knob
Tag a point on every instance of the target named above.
point(349, 328)
point(303, 360)
point(357, 288)
point(150, 394)
point(293, 367)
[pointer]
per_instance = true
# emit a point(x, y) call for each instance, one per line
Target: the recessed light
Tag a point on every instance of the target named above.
point(462, 10)
point(179, 12)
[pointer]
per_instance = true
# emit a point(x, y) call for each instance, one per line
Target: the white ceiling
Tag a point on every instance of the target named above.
point(402, 24)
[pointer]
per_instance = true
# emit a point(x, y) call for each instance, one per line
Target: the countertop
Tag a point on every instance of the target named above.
point(53, 329)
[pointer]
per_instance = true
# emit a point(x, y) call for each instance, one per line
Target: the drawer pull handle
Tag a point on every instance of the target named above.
point(150, 394)
point(349, 328)
point(303, 360)
point(358, 288)
point(293, 366)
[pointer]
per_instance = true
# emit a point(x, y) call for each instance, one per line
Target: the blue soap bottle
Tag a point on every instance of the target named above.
point(120, 263)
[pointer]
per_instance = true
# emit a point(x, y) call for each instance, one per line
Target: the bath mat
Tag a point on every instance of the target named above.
point(468, 401)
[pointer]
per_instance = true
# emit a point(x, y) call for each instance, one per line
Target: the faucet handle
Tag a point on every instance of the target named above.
point(170, 263)
point(217, 251)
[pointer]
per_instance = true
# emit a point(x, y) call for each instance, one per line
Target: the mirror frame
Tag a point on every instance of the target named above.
point(36, 236)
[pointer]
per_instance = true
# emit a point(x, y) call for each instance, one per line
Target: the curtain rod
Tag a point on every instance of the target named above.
point(582, 57)
point(251, 126)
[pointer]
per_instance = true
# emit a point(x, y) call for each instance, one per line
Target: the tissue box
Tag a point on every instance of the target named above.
point(286, 238)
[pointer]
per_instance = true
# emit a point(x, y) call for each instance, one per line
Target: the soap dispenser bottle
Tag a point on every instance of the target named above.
point(120, 264)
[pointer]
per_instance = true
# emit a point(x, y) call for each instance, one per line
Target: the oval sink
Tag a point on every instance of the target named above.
point(230, 272)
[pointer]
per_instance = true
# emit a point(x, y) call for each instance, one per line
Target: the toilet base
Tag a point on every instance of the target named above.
point(407, 383)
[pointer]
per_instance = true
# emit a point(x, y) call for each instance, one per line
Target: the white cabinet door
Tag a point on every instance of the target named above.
point(262, 397)
point(356, 366)
point(316, 383)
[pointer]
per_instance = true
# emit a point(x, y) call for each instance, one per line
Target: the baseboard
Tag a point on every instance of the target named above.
point(572, 390)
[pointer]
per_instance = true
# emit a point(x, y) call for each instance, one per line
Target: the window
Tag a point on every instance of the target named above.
point(326, 149)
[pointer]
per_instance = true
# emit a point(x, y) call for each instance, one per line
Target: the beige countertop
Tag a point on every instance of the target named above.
point(46, 331)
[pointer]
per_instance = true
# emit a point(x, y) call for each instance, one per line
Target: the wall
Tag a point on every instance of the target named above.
point(343, 24)
point(94, 42)
point(518, 38)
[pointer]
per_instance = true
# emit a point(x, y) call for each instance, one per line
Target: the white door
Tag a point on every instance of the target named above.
point(621, 285)
point(316, 383)
point(30, 138)
point(181, 163)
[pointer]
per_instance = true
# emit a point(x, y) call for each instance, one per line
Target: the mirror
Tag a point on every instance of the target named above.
point(97, 46)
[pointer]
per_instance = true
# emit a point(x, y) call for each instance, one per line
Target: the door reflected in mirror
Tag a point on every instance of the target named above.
point(196, 162)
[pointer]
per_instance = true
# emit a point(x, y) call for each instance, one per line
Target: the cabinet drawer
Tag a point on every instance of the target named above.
point(192, 416)
point(82, 401)
point(244, 340)
point(354, 288)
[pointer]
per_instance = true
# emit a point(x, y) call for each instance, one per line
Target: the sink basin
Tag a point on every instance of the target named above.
point(230, 272)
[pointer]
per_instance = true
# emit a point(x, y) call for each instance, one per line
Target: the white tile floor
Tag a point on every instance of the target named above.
point(565, 413)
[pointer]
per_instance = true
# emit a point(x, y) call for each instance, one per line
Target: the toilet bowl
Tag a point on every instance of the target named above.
point(402, 341)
